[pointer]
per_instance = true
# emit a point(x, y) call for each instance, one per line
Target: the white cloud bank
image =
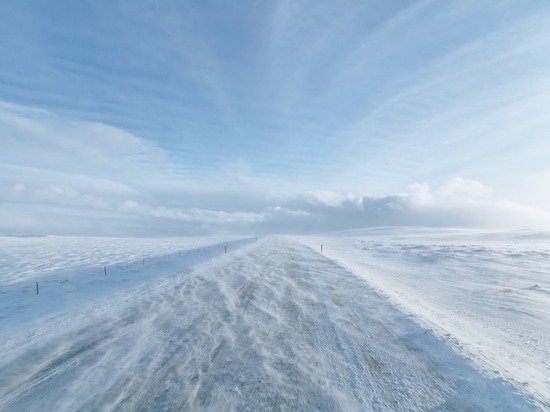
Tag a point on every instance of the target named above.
point(60, 176)
point(458, 203)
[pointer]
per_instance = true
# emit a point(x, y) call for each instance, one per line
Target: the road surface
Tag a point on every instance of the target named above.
point(272, 326)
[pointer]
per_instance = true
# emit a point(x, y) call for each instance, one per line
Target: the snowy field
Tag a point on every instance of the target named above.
point(381, 320)
point(485, 294)
point(73, 271)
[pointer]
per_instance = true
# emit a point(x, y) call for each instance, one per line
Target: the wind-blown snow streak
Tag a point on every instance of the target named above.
point(488, 295)
point(272, 325)
point(72, 273)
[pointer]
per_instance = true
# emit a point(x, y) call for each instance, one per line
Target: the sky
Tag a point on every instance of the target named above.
point(199, 117)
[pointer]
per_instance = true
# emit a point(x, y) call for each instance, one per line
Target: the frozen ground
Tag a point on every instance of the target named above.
point(23, 258)
point(271, 325)
point(74, 271)
point(486, 294)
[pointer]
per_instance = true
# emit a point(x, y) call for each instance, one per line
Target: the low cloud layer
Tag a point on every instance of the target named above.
point(61, 176)
point(457, 203)
point(61, 209)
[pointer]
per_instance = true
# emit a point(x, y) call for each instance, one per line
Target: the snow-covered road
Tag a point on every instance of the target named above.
point(485, 294)
point(273, 325)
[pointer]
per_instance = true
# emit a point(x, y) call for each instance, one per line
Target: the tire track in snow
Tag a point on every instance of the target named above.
point(271, 326)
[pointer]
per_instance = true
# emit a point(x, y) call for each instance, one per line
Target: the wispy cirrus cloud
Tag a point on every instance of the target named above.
point(38, 138)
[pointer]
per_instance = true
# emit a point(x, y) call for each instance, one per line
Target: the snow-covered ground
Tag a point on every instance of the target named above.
point(272, 324)
point(23, 258)
point(76, 271)
point(486, 294)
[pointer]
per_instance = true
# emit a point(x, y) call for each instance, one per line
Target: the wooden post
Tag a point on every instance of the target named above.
point(105, 270)
point(37, 288)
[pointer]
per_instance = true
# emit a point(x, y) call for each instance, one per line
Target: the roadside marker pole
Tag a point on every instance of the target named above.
point(37, 288)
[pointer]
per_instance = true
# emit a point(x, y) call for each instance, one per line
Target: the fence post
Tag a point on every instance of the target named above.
point(37, 288)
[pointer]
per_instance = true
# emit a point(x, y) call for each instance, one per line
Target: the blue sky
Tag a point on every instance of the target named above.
point(172, 117)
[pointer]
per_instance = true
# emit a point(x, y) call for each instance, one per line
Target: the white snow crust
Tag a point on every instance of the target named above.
point(271, 325)
point(486, 294)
